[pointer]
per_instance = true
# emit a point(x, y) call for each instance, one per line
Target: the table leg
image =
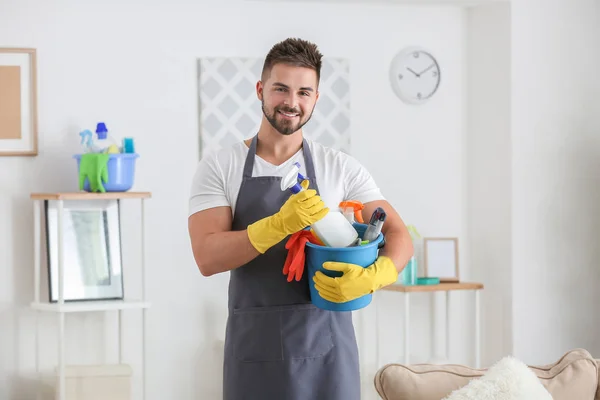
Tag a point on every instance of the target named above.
point(61, 299)
point(36, 286)
point(377, 327)
point(406, 327)
point(477, 331)
point(37, 355)
point(121, 335)
point(447, 316)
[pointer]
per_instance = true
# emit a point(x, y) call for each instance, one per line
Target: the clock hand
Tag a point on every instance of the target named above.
point(427, 69)
point(417, 75)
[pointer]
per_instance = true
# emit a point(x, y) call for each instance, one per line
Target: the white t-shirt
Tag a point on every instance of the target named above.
point(339, 176)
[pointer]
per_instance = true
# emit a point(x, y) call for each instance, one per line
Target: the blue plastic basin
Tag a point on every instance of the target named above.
point(363, 255)
point(121, 172)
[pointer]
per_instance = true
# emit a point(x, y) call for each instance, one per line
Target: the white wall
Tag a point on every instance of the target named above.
point(489, 171)
point(133, 65)
point(555, 174)
point(533, 185)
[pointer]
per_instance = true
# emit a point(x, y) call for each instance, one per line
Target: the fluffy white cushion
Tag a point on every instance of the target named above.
point(508, 379)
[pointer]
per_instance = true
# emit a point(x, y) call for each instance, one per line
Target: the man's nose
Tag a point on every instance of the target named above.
point(291, 100)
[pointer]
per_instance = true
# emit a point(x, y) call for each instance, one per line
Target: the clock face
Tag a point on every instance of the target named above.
point(415, 75)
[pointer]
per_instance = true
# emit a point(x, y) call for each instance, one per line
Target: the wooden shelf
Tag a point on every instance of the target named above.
point(86, 306)
point(442, 287)
point(90, 196)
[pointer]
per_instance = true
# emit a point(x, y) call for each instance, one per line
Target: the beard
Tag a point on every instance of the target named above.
point(285, 126)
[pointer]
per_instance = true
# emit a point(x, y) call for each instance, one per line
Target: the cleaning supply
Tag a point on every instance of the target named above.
point(428, 281)
point(128, 145)
point(121, 172)
point(299, 211)
point(408, 276)
point(414, 233)
point(290, 182)
point(375, 224)
point(104, 143)
point(116, 174)
point(292, 179)
point(351, 209)
point(294, 262)
point(93, 166)
point(355, 281)
point(87, 141)
point(113, 149)
point(333, 229)
point(363, 256)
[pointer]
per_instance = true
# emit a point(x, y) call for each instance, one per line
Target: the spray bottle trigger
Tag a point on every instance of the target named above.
point(355, 206)
point(300, 177)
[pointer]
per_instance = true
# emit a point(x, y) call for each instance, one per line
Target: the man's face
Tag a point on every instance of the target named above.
point(288, 97)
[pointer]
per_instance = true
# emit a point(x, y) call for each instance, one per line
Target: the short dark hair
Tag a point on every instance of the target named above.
point(296, 52)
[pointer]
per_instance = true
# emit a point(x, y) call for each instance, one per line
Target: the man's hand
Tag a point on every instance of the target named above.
point(356, 281)
point(299, 211)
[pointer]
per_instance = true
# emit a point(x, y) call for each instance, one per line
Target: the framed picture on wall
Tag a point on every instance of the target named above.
point(441, 259)
point(18, 102)
point(91, 243)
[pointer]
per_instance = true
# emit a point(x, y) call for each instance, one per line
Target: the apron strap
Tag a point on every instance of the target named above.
point(310, 166)
point(249, 164)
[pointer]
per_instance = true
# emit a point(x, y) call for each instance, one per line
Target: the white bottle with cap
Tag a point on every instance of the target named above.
point(334, 230)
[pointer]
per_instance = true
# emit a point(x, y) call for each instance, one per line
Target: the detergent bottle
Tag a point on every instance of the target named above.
point(333, 230)
point(104, 143)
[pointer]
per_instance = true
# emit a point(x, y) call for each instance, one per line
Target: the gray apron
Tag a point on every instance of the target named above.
point(278, 346)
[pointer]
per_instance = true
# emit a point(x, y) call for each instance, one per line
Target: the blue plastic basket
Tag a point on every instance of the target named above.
point(363, 255)
point(121, 172)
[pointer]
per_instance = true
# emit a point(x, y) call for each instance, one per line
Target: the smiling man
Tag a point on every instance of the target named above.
point(283, 118)
point(277, 344)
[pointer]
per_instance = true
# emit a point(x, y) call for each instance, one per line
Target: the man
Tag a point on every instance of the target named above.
point(278, 346)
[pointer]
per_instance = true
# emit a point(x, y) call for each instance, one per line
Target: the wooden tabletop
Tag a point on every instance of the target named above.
point(441, 287)
point(90, 196)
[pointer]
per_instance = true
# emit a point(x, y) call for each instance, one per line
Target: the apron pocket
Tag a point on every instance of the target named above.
point(256, 334)
point(306, 332)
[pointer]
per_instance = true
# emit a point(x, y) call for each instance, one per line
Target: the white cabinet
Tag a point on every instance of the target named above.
point(87, 382)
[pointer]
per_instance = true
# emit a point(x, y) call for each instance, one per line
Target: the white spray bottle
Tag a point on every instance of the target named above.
point(334, 230)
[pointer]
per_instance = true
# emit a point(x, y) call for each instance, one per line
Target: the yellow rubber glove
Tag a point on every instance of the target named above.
point(356, 281)
point(299, 211)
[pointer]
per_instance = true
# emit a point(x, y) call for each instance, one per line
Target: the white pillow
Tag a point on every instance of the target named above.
point(508, 379)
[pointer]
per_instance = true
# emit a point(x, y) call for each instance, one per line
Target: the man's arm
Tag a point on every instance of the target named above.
point(218, 249)
point(215, 246)
point(398, 243)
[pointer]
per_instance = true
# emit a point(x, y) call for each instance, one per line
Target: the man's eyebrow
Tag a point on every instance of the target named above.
point(287, 87)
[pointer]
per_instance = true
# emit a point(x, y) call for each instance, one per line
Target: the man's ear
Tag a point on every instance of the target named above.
point(259, 90)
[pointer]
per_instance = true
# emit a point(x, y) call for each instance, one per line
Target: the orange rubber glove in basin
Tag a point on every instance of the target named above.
point(294, 262)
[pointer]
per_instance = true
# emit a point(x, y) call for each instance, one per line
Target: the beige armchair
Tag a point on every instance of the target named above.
point(573, 376)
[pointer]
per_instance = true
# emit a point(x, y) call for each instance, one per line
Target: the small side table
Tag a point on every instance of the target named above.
point(442, 287)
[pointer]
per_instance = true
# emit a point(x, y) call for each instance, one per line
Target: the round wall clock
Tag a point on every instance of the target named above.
point(414, 75)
